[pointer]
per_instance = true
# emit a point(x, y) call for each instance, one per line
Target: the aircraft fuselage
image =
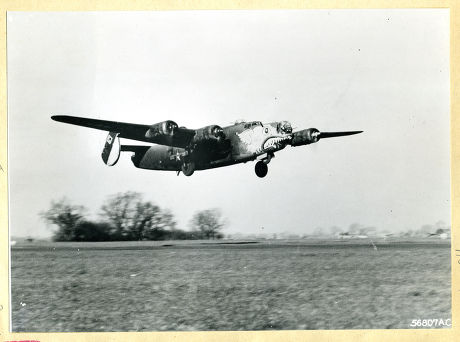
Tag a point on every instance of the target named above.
point(243, 142)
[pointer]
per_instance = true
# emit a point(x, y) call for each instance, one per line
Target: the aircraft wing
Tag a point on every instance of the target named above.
point(323, 135)
point(163, 133)
point(312, 135)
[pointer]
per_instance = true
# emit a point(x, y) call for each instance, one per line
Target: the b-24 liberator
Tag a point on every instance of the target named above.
point(187, 150)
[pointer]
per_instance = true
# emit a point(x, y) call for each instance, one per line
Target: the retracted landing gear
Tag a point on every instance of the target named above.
point(261, 169)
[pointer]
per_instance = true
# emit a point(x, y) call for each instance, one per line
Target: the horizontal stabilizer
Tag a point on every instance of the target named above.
point(134, 148)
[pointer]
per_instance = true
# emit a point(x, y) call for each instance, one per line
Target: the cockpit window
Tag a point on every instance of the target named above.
point(252, 124)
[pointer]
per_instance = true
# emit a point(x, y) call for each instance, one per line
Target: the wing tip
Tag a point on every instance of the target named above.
point(57, 117)
point(352, 132)
point(67, 118)
point(338, 134)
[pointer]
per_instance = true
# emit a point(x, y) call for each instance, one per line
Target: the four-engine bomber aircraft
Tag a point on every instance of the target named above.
point(181, 149)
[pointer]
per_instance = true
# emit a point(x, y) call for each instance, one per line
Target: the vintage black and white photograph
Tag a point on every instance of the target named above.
point(228, 170)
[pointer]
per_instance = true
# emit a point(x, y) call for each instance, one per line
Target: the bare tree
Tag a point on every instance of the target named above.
point(146, 220)
point(167, 220)
point(132, 218)
point(65, 216)
point(208, 223)
point(91, 231)
point(119, 211)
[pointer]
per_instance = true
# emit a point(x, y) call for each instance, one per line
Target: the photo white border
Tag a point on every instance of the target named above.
point(316, 335)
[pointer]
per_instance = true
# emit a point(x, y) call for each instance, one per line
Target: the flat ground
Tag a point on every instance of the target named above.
point(151, 286)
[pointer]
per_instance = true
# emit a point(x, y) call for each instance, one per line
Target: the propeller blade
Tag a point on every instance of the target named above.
point(324, 135)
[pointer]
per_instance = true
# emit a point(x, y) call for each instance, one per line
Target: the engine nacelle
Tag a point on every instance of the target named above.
point(305, 137)
point(165, 128)
point(209, 133)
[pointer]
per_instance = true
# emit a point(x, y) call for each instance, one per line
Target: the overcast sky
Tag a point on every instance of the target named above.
point(382, 71)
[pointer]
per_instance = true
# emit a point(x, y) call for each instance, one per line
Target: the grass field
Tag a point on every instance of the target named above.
point(195, 286)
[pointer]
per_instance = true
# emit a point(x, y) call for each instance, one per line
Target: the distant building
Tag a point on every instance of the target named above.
point(442, 233)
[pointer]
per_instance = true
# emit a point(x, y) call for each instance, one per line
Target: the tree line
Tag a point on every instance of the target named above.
point(128, 217)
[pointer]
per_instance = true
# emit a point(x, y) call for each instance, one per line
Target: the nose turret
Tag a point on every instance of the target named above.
point(284, 127)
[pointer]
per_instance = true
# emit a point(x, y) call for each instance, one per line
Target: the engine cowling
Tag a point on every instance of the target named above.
point(209, 133)
point(305, 137)
point(165, 128)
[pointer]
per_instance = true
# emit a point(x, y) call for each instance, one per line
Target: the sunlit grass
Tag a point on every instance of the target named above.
point(229, 287)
